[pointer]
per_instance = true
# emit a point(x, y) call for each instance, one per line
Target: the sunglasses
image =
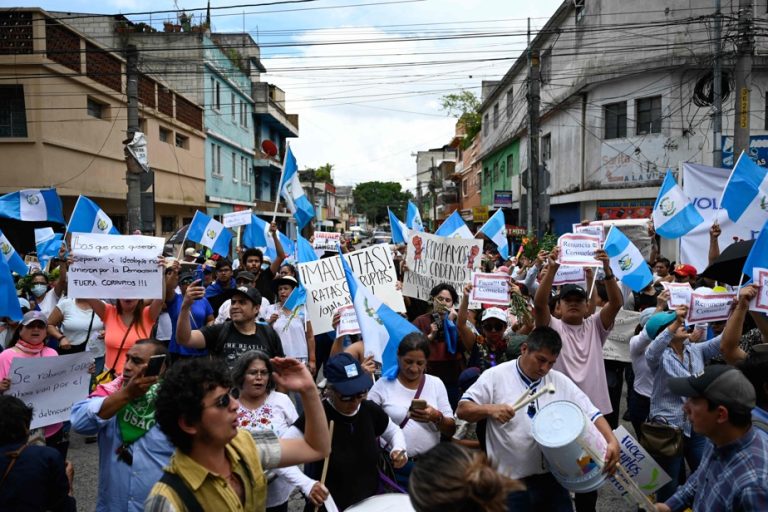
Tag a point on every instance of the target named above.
point(494, 327)
point(349, 398)
point(223, 401)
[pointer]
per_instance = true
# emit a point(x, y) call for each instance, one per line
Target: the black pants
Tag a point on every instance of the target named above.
point(615, 373)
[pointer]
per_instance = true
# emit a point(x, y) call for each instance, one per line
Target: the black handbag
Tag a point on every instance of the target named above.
point(660, 438)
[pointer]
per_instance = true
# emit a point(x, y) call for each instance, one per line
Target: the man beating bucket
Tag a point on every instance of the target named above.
point(501, 395)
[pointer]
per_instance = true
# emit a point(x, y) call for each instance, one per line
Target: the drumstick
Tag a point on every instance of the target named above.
point(549, 388)
point(326, 461)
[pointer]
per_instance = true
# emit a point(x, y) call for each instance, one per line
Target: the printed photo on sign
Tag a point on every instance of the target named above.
point(235, 219)
point(347, 321)
point(709, 307)
point(490, 289)
point(567, 274)
point(679, 293)
point(578, 250)
point(590, 229)
point(760, 302)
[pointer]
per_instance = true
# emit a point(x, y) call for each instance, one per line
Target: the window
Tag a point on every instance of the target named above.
point(545, 65)
point(182, 141)
point(97, 109)
point(186, 220)
point(615, 120)
point(495, 116)
point(216, 92)
point(244, 114)
point(648, 115)
point(232, 106)
point(486, 126)
point(496, 176)
point(464, 187)
point(13, 114)
point(234, 167)
point(168, 224)
point(579, 8)
point(245, 170)
point(165, 135)
point(546, 147)
point(510, 103)
point(216, 160)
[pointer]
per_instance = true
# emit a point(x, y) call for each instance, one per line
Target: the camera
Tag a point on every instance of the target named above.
point(439, 320)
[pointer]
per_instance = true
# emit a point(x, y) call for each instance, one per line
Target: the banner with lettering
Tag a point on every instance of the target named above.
point(490, 289)
point(567, 274)
point(578, 250)
point(709, 306)
point(679, 293)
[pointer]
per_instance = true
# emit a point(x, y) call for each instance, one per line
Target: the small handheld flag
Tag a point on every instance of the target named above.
point(399, 230)
point(496, 229)
point(413, 218)
point(293, 193)
point(32, 205)
point(47, 245)
point(9, 302)
point(673, 213)
point(256, 234)
point(210, 233)
point(627, 261)
point(87, 217)
point(305, 251)
point(12, 258)
point(454, 227)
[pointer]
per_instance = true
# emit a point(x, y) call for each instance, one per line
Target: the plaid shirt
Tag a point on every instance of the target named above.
point(731, 477)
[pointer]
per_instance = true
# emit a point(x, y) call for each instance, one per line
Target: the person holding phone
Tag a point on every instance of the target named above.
point(200, 312)
point(417, 402)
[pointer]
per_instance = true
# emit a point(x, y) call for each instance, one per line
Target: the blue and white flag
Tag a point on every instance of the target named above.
point(380, 327)
point(496, 229)
point(673, 213)
point(398, 228)
point(758, 255)
point(413, 218)
point(256, 234)
point(87, 217)
point(296, 299)
point(11, 257)
point(47, 245)
point(209, 233)
point(34, 205)
point(304, 250)
point(745, 196)
point(293, 193)
point(626, 260)
point(454, 227)
point(9, 302)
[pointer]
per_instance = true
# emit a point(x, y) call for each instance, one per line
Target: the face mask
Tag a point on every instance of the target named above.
point(39, 289)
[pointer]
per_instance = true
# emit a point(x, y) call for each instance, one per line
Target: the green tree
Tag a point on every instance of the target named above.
point(373, 197)
point(324, 173)
point(466, 106)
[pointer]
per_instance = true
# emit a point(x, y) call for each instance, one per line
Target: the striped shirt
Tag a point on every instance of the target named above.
point(665, 364)
point(730, 477)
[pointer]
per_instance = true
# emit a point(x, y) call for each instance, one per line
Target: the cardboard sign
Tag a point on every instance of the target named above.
point(760, 302)
point(326, 241)
point(640, 466)
point(50, 385)
point(578, 250)
point(567, 274)
point(347, 321)
point(327, 287)
point(709, 306)
point(432, 260)
point(679, 293)
point(115, 267)
point(591, 229)
point(234, 219)
point(616, 346)
point(490, 289)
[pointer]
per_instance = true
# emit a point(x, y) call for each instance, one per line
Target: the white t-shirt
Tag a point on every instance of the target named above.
point(48, 303)
point(292, 332)
point(511, 444)
point(223, 315)
point(643, 375)
point(75, 325)
point(396, 399)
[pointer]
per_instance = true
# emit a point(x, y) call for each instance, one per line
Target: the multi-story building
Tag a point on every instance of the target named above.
point(429, 182)
point(345, 203)
point(466, 172)
point(63, 119)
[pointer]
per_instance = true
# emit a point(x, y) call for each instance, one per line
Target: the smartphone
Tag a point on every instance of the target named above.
point(200, 275)
point(154, 366)
point(418, 404)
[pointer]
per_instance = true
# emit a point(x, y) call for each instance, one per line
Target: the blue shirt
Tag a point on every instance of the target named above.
point(122, 487)
point(760, 419)
point(215, 288)
point(664, 365)
point(36, 481)
point(201, 309)
point(729, 478)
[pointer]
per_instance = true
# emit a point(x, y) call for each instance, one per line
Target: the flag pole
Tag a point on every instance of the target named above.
point(66, 228)
point(280, 183)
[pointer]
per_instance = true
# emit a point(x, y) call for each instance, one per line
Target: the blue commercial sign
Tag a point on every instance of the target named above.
point(758, 150)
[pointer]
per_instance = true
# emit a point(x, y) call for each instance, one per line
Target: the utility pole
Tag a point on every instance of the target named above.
point(434, 195)
point(742, 73)
point(134, 170)
point(534, 224)
point(717, 94)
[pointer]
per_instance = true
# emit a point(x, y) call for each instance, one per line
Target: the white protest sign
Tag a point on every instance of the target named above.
point(640, 466)
point(760, 302)
point(432, 260)
point(115, 267)
point(709, 307)
point(327, 287)
point(578, 250)
point(679, 293)
point(235, 219)
point(590, 229)
point(326, 241)
point(490, 289)
point(347, 321)
point(567, 274)
point(50, 385)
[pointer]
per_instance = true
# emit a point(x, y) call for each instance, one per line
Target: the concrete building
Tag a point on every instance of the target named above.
point(63, 122)
point(467, 173)
point(430, 179)
point(345, 204)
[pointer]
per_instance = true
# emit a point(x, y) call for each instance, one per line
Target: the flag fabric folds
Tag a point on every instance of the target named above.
point(381, 328)
point(304, 250)
point(33, 205)
point(454, 227)
point(398, 228)
point(210, 233)
point(745, 196)
point(296, 299)
point(87, 217)
point(256, 234)
point(413, 218)
point(626, 260)
point(11, 257)
point(293, 193)
point(673, 213)
point(758, 255)
point(9, 302)
point(496, 229)
point(47, 245)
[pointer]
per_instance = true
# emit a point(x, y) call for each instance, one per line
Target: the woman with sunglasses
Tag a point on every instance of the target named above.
point(417, 402)
point(262, 408)
point(489, 347)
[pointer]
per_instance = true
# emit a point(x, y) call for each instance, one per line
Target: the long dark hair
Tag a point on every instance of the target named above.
point(244, 362)
point(137, 320)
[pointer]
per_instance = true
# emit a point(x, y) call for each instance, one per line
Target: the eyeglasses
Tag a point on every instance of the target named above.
point(494, 327)
point(223, 401)
point(349, 398)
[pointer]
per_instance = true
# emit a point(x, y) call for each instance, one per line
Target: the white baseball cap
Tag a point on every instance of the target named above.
point(497, 313)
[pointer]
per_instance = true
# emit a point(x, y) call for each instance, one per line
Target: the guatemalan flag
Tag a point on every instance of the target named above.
point(758, 255)
point(381, 328)
point(47, 245)
point(496, 229)
point(413, 218)
point(673, 213)
point(209, 233)
point(304, 250)
point(11, 257)
point(87, 217)
point(293, 193)
point(256, 234)
point(9, 302)
point(454, 227)
point(34, 204)
point(745, 196)
point(399, 229)
point(626, 260)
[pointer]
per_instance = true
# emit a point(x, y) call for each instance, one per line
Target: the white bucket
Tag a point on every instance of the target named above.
point(563, 431)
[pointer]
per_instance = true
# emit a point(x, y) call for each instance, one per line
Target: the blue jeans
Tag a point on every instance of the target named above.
point(693, 450)
point(543, 493)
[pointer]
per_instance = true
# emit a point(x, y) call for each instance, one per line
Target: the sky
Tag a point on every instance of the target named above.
point(365, 104)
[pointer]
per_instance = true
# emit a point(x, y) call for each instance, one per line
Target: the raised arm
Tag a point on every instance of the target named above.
point(465, 333)
point(98, 307)
point(541, 299)
point(615, 299)
point(729, 343)
point(275, 266)
point(185, 336)
point(714, 245)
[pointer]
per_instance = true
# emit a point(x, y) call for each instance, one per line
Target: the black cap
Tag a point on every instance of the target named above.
point(346, 375)
point(720, 384)
point(186, 276)
point(249, 291)
point(572, 289)
point(248, 276)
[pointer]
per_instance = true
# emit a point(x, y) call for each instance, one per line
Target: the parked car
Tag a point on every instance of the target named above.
point(381, 237)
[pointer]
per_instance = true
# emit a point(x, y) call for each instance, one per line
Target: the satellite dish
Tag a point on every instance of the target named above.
point(269, 147)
